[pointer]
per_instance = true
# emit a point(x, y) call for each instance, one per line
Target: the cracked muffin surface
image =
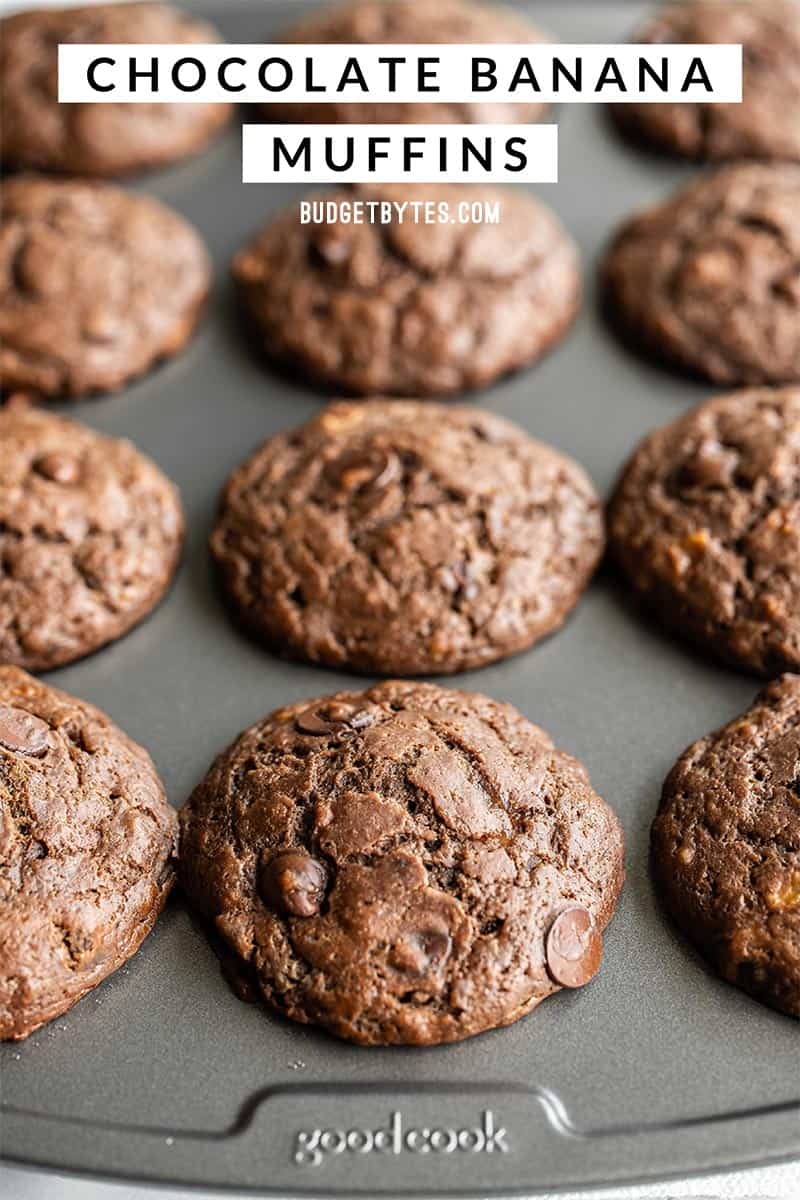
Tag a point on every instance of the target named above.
point(710, 279)
point(86, 845)
point(96, 285)
point(95, 139)
point(726, 847)
point(406, 22)
point(90, 536)
point(393, 864)
point(766, 124)
point(705, 521)
point(405, 538)
point(409, 308)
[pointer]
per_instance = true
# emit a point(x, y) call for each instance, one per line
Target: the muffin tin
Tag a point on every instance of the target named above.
point(657, 1067)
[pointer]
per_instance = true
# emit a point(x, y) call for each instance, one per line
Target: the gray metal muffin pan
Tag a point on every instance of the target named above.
point(657, 1067)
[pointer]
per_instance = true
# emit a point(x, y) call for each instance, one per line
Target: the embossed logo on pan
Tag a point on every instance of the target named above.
point(313, 1147)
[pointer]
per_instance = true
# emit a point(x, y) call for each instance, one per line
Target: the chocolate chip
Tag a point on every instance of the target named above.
point(421, 951)
point(22, 733)
point(368, 467)
point(58, 467)
point(315, 724)
point(101, 325)
point(293, 882)
point(574, 948)
point(710, 466)
point(334, 718)
point(333, 249)
point(436, 945)
point(337, 711)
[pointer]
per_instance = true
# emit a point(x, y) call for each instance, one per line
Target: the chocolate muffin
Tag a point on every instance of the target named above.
point(96, 286)
point(86, 846)
point(407, 22)
point(406, 538)
point(726, 847)
point(408, 308)
point(705, 521)
point(95, 139)
point(90, 536)
point(406, 864)
point(710, 280)
point(767, 123)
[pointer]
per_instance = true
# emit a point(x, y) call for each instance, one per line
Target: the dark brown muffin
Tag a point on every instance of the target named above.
point(96, 285)
point(767, 122)
point(395, 537)
point(406, 22)
point(86, 842)
point(726, 847)
point(90, 536)
point(407, 308)
point(405, 864)
point(705, 520)
point(94, 139)
point(710, 280)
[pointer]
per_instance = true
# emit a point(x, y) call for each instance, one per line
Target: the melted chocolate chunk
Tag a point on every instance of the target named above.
point(23, 733)
point(293, 882)
point(574, 948)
